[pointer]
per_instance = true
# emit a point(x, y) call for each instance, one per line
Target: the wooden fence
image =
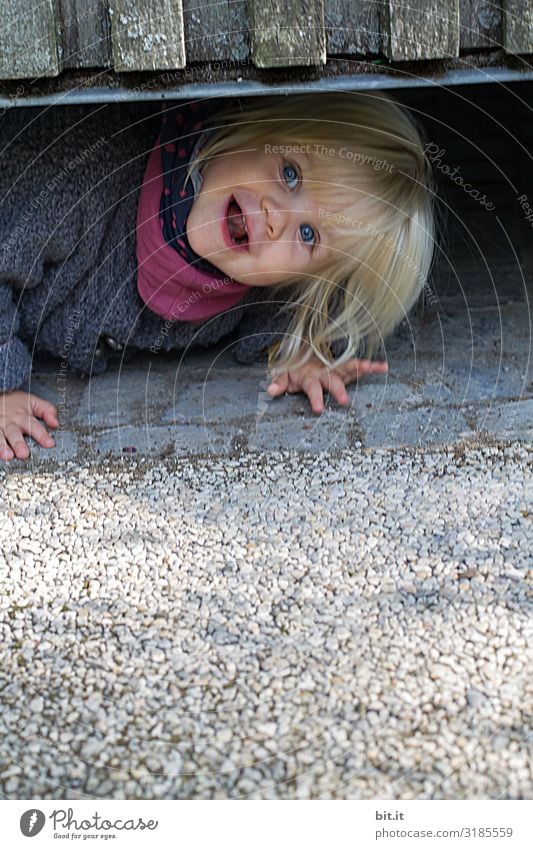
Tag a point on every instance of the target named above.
point(44, 38)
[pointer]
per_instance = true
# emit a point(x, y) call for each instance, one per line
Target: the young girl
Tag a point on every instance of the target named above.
point(303, 225)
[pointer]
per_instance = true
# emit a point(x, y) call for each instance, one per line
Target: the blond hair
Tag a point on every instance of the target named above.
point(372, 175)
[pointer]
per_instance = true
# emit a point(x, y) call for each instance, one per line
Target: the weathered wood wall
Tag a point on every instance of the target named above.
point(481, 24)
point(420, 29)
point(287, 33)
point(84, 28)
point(42, 39)
point(518, 25)
point(28, 39)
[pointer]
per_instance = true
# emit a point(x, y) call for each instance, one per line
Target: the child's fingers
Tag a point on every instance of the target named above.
point(44, 410)
point(335, 385)
point(371, 367)
point(279, 384)
point(5, 450)
point(357, 368)
point(314, 391)
point(38, 432)
point(15, 439)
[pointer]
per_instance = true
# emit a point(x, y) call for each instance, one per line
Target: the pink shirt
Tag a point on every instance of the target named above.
point(169, 285)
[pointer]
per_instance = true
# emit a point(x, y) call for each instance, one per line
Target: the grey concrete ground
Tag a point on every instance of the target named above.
point(460, 386)
point(205, 593)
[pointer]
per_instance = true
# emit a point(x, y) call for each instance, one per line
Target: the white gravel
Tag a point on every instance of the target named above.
point(270, 626)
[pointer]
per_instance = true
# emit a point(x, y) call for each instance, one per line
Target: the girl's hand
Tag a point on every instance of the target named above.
point(314, 377)
point(19, 414)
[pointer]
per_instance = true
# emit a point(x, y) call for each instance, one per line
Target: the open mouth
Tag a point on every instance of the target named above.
point(236, 223)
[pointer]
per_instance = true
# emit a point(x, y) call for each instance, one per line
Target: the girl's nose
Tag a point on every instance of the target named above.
point(276, 217)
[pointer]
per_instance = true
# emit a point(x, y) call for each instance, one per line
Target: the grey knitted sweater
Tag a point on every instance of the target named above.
point(69, 186)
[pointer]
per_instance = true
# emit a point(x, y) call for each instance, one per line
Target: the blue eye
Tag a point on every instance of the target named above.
point(308, 234)
point(290, 175)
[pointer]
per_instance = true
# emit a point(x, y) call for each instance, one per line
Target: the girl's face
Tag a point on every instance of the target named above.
point(255, 221)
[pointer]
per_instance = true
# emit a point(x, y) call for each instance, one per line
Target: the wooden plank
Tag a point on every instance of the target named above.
point(518, 26)
point(352, 27)
point(481, 24)
point(420, 29)
point(147, 35)
point(28, 43)
point(216, 31)
point(287, 33)
point(85, 31)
